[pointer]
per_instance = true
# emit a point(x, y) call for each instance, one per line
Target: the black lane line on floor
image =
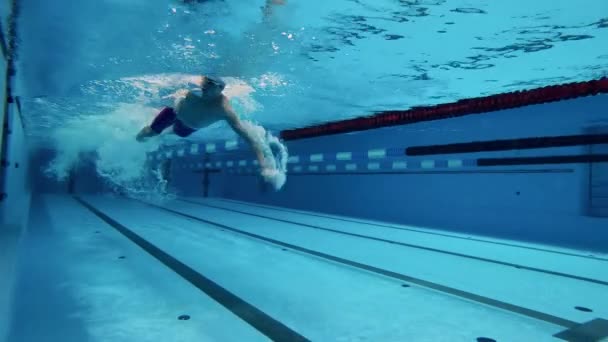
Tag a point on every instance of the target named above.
point(393, 242)
point(423, 283)
point(262, 322)
point(407, 229)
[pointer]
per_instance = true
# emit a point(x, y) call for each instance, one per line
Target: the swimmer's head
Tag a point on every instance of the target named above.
point(212, 86)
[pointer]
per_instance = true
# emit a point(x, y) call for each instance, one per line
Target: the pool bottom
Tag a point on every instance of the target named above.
point(95, 284)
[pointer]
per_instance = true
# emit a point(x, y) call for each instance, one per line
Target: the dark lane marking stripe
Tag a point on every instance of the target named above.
point(575, 159)
point(393, 242)
point(423, 283)
point(262, 322)
point(407, 229)
point(509, 144)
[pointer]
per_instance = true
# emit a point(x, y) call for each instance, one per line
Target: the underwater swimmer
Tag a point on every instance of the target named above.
point(193, 112)
point(267, 9)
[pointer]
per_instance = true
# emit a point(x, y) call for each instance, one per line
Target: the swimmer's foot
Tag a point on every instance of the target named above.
point(145, 132)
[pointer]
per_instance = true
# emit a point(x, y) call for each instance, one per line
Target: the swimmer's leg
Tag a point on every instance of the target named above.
point(267, 9)
point(165, 118)
point(181, 130)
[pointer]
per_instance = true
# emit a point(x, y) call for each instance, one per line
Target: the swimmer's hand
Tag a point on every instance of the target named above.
point(268, 174)
point(273, 177)
point(265, 178)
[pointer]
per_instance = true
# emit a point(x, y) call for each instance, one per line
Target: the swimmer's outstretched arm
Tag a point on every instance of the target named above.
point(237, 126)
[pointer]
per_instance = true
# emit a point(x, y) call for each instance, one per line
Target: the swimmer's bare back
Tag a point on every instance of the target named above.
point(197, 112)
point(194, 112)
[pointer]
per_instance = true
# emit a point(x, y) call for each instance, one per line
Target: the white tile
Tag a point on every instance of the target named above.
point(210, 147)
point(427, 164)
point(344, 156)
point(376, 154)
point(316, 157)
point(455, 163)
point(398, 165)
point(231, 145)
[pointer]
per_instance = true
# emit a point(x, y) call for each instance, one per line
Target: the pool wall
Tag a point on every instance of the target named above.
point(14, 159)
point(368, 175)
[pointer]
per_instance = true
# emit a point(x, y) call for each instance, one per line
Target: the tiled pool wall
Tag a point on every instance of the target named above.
point(368, 174)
